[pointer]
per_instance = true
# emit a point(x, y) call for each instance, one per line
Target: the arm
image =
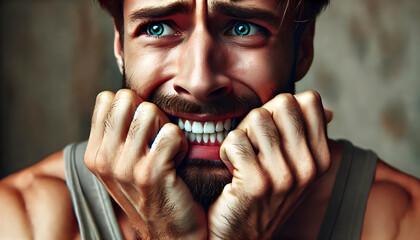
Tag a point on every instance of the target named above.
point(393, 208)
point(34, 200)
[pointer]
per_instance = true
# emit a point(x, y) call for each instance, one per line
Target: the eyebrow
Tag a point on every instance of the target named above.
point(239, 12)
point(178, 7)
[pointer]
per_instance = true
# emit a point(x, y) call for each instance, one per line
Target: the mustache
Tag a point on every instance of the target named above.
point(220, 106)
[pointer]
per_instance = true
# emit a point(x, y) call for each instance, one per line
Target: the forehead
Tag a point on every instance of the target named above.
point(268, 5)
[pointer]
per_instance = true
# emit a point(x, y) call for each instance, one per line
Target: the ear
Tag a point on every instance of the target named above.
point(306, 51)
point(118, 49)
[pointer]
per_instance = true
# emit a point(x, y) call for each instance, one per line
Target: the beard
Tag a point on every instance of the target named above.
point(206, 178)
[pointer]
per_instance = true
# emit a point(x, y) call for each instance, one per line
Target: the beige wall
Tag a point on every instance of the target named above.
point(367, 68)
point(56, 55)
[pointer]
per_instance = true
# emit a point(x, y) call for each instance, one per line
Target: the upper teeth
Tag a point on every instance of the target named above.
point(206, 132)
point(205, 127)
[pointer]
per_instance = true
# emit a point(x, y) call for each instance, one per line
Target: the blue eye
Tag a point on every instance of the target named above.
point(245, 29)
point(159, 29)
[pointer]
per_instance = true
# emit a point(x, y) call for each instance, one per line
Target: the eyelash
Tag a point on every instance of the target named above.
point(228, 30)
point(142, 29)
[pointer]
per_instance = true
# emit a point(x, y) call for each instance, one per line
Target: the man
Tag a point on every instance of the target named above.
point(209, 141)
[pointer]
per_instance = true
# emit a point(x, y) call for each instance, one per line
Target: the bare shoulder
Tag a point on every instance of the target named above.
point(393, 207)
point(35, 199)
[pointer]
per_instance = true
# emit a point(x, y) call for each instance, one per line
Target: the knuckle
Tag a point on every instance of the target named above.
point(259, 114)
point(234, 136)
point(89, 160)
point(142, 177)
point(312, 98)
point(123, 175)
point(101, 165)
point(308, 175)
point(172, 130)
point(286, 100)
point(125, 94)
point(325, 162)
point(148, 107)
point(261, 186)
point(284, 182)
point(105, 96)
point(169, 133)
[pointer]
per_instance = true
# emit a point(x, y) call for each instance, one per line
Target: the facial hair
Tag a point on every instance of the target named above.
point(206, 178)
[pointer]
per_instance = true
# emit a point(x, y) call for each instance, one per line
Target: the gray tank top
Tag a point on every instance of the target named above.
point(343, 218)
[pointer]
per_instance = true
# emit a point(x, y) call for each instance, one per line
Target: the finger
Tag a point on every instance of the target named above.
point(315, 122)
point(248, 176)
point(169, 146)
point(116, 127)
point(156, 171)
point(148, 120)
point(102, 106)
point(115, 130)
point(264, 137)
point(329, 115)
point(290, 125)
point(258, 125)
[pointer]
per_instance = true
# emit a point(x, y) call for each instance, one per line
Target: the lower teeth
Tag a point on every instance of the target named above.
point(206, 138)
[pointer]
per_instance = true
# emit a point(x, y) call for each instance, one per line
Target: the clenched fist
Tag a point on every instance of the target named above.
point(132, 150)
point(275, 154)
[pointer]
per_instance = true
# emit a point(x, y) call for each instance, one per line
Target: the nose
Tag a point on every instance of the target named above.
point(200, 65)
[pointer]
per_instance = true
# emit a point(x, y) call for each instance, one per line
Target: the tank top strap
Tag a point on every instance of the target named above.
point(91, 202)
point(344, 216)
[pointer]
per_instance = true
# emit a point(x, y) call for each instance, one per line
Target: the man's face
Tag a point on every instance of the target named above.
point(206, 64)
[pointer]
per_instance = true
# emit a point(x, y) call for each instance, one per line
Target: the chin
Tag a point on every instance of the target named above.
point(205, 178)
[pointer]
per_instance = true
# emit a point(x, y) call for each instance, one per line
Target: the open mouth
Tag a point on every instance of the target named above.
point(205, 137)
point(209, 133)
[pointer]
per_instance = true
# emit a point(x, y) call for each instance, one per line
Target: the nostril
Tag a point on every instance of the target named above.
point(220, 92)
point(180, 90)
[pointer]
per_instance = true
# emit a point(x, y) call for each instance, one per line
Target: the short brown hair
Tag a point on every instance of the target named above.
point(304, 10)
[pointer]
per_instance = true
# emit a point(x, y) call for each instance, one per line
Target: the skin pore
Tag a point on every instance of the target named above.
point(191, 63)
point(208, 61)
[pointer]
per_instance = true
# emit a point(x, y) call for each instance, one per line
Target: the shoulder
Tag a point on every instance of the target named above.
point(393, 207)
point(49, 171)
point(35, 199)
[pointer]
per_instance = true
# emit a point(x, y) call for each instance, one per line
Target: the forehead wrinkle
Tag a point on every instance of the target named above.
point(242, 12)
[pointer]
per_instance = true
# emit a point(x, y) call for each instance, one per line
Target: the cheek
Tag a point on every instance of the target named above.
point(263, 72)
point(147, 69)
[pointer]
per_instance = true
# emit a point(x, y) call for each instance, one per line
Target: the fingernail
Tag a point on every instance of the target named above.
point(136, 113)
point(154, 142)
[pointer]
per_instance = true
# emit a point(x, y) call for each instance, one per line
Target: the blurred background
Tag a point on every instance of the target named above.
point(56, 56)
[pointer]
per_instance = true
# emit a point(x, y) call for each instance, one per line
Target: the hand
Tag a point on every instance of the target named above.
point(132, 150)
point(275, 154)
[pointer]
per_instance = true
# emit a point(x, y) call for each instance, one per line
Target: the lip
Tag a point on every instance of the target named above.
point(204, 152)
point(201, 117)
point(196, 151)
point(208, 152)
